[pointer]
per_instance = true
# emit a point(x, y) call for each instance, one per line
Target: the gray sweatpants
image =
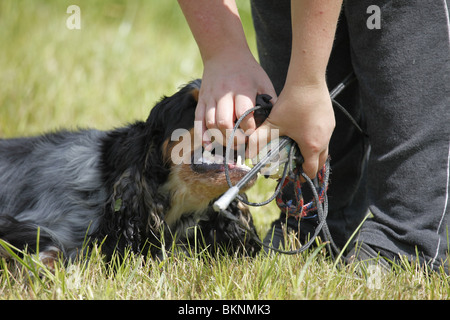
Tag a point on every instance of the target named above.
point(402, 98)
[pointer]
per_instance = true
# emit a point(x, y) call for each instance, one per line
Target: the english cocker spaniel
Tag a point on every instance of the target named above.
point(122, 188)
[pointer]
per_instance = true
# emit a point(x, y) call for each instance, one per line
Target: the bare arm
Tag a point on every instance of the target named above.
point(303, 110)
point(313, 30)
point(216, 26)
point(232, 77)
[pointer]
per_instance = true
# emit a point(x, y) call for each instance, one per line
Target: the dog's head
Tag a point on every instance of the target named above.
point(196, 176)
point(161, 177)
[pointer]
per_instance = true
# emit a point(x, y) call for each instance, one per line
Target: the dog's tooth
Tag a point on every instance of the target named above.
point(206, 155)
point(208, 158)
point(239, 162)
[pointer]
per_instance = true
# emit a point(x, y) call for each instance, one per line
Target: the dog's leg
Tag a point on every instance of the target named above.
point(29, 237)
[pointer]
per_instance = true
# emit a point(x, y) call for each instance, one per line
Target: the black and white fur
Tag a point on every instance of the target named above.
point(116, 187)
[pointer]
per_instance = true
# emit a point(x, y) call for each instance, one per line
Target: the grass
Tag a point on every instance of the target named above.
point(307, 276)
point(125, 57)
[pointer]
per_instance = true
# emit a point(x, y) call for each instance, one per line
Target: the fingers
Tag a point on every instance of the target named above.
point(310, 128)
point(261, 137)
point(221, 116)
point(314, 162)
point(242, 104)
point(218, 120)
point(201, 131)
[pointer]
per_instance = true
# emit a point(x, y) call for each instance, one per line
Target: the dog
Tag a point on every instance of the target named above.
point(121, 189)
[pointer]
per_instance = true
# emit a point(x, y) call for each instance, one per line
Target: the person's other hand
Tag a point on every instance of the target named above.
point(306, 115)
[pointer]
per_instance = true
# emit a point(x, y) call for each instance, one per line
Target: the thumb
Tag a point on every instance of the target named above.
point(313, 161)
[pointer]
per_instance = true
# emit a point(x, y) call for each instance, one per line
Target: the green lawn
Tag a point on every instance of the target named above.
point(126, 55)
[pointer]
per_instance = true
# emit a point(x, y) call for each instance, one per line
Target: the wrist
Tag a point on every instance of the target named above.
point(307, 96)
point(306, 83)
point(226, 50)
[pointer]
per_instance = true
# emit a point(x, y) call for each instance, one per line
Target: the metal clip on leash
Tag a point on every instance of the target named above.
point(287, 145)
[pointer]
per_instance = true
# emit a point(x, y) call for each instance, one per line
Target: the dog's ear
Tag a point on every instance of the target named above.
point(175, 112)
point(171, 113)
point(134, 208)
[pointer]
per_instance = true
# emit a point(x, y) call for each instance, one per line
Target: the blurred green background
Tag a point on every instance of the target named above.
point(126, 55)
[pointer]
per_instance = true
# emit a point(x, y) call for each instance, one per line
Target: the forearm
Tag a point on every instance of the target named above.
point(231, 76)
point(216, 26)
point(313, 30)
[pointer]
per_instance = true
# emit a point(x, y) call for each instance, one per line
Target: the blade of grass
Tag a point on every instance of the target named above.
point(308, 262)
point(338, 258)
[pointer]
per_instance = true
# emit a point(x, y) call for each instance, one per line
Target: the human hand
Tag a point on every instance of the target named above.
point(304, 114)
point(229, 87)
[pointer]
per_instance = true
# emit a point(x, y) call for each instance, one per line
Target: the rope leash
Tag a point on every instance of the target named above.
point(320, 206)
point(291, 174)
point(302, 210)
